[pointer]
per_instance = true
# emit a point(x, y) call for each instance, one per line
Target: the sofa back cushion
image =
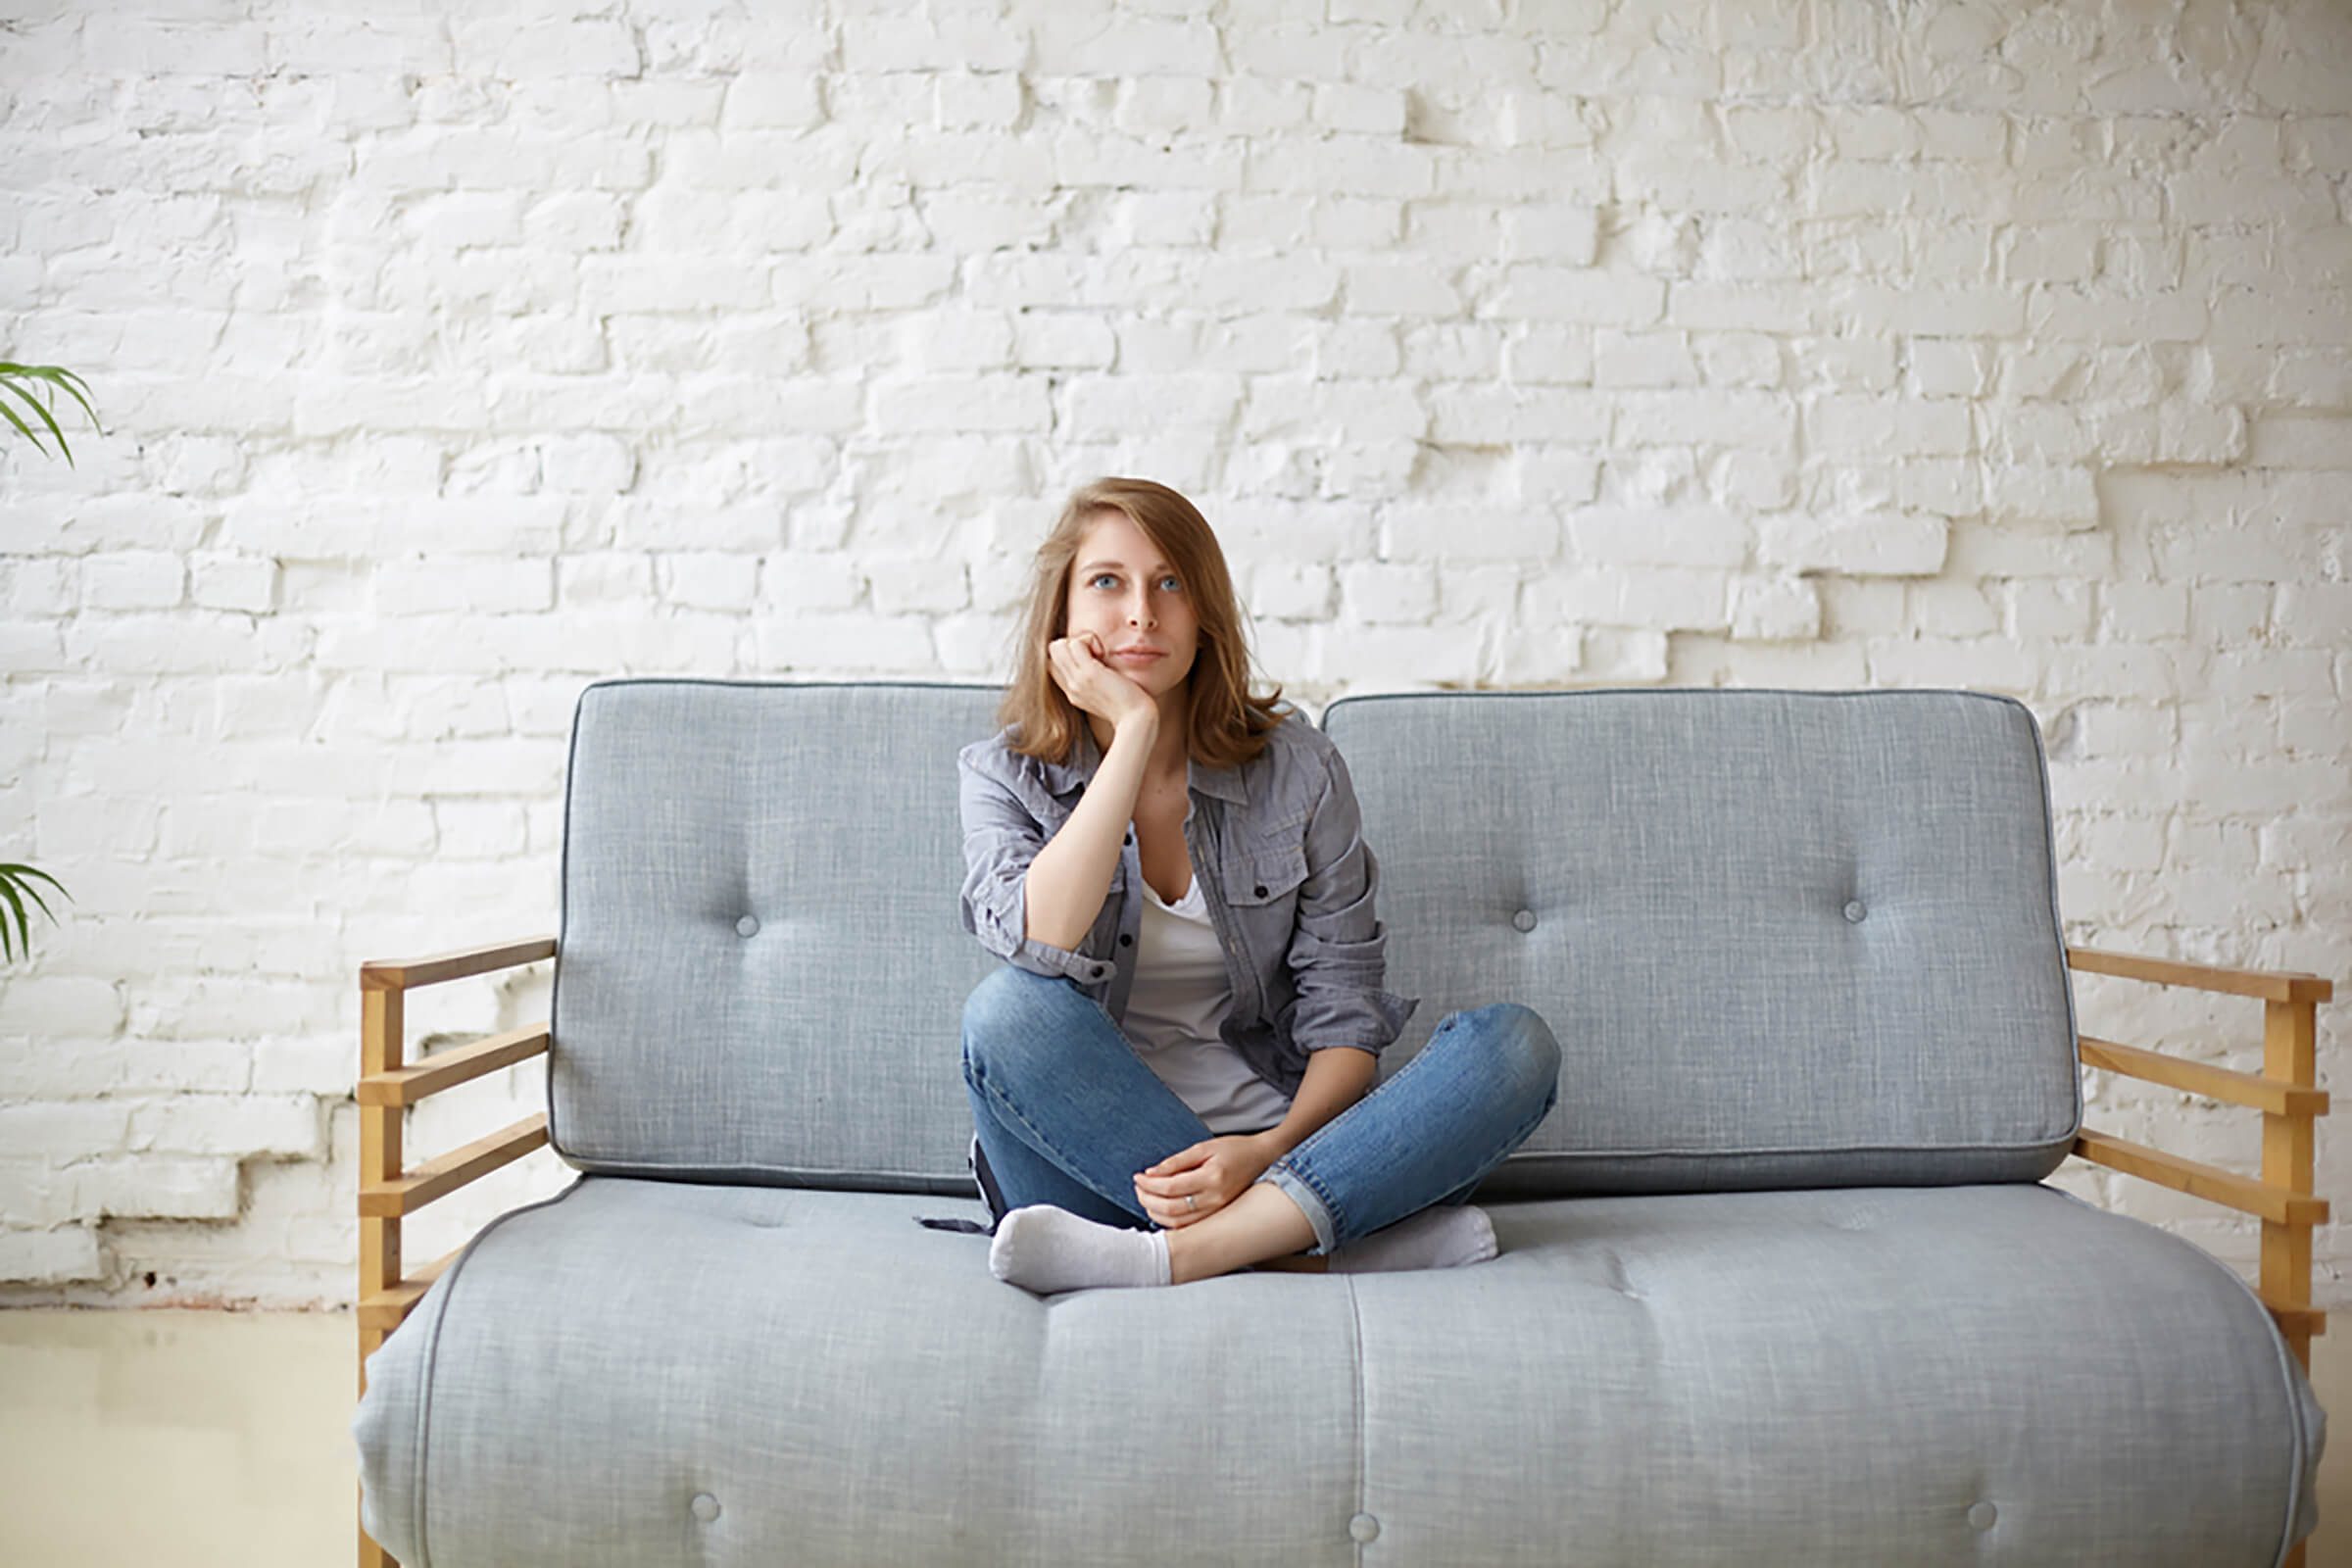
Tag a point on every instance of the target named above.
point(761, 965)
point(1785, 939)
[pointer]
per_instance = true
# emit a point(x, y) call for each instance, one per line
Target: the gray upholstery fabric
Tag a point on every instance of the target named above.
point(762, 960)
point(1784, 938)
point(1778, 1282)
point(1897, 1376)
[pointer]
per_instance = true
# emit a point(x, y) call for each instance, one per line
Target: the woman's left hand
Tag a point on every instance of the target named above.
point(1215, 1172)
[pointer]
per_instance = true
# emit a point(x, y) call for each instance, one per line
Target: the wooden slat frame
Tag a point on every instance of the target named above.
point(2286, 1093)
point(386, 1088)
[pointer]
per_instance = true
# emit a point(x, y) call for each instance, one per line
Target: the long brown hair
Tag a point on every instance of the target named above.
point(1228, 725)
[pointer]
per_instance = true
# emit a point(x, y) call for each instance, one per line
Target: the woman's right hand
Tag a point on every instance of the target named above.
point(1091, 682)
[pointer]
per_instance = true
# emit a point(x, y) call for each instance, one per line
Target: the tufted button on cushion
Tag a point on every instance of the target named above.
point(1853, 910)
point(746, 926)
point(1525, 919)
point(705, 1506)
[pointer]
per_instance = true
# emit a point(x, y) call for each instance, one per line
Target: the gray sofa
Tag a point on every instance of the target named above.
point(1780, 1280)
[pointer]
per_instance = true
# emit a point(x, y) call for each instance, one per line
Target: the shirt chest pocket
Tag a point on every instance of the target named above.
point(1260, 876)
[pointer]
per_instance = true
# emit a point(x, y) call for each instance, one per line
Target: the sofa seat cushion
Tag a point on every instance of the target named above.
point(646, 1373)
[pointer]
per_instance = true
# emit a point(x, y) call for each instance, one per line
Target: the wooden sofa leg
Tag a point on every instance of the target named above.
point(381, 1046)
point(373, 1555)
point(2290, 1052)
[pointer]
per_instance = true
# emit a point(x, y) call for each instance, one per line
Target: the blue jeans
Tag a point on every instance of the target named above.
point(1068, 1114)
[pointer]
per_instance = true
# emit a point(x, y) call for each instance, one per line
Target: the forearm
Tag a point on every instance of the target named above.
point(1336, 1078)
point(1069, 879)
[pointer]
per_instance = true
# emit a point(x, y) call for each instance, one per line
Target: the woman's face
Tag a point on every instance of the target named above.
point(1127, 595)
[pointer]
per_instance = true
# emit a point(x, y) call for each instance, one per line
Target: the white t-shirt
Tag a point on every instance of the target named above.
point(1179, 997)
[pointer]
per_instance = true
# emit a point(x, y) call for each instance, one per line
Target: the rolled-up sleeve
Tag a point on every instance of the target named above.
point(1339, 951)
point(999, 839)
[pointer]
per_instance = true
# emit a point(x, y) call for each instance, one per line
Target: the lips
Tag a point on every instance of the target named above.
point(1137, 653)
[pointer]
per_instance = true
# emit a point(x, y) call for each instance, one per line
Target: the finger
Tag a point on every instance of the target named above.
point(1169, 1215)
point(1172, 1213)
point(1189, 1194)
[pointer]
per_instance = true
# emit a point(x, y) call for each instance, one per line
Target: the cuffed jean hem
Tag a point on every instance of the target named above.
point(1485, 1079)
point(1311, 1203)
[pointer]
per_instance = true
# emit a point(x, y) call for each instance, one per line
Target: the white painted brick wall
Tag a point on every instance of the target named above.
point(453, 359)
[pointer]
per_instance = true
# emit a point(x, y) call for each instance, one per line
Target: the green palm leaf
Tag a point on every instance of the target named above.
point(57, 375)
point(16, 881)
point(13, 877)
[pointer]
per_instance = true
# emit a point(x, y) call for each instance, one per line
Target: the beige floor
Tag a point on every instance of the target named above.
point(231, 1430)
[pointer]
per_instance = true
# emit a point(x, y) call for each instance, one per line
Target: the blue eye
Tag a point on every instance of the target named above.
point(1100, 575)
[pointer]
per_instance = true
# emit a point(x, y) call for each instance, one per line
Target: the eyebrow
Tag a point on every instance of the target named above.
point(1121, 564)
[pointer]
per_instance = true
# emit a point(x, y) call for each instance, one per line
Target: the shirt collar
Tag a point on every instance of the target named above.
point(1223, 782)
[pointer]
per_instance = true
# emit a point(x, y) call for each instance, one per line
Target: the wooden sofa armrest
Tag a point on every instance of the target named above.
point(2284, 1092)
point(2271, 984)
point(387, 1086)
point(408, 974)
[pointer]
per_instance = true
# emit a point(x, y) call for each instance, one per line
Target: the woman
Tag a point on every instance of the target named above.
point(1169, 1073)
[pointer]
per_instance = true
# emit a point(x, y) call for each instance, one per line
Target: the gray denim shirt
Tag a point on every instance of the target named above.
point(1276, 844)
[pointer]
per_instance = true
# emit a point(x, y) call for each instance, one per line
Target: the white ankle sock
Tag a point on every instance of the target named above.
point(1437, 1237)
point(1044, 1248)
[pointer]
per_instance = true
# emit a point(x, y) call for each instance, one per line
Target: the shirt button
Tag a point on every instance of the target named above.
point(1126, 941)
point(1261, 890)
point(1525, 919)
point(1364, 1527)
point(705, 1506)
point(746, 926)
point(1853, 910)
point(1982, 1514)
